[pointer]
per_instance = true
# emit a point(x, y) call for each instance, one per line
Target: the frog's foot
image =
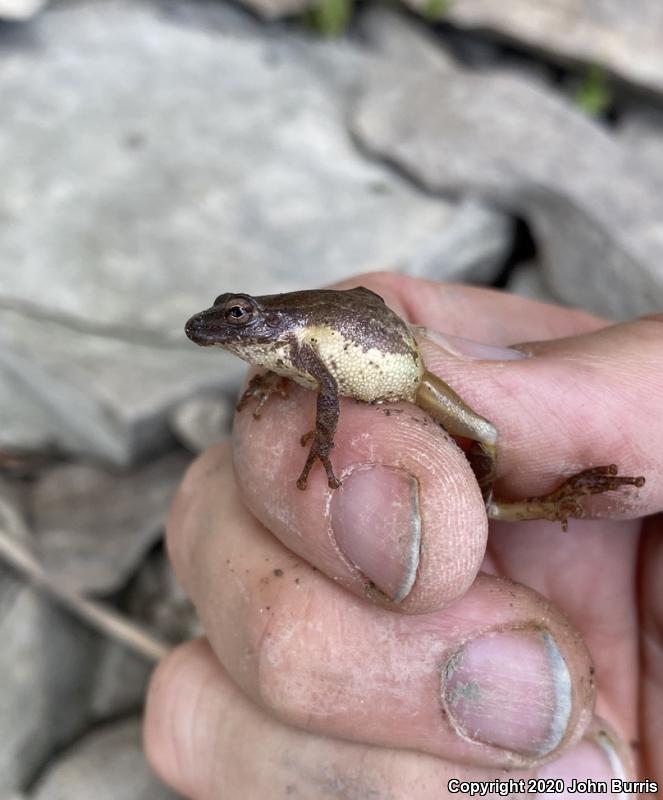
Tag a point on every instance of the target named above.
point(564, 503)
point(262, 387)
point(320, 448)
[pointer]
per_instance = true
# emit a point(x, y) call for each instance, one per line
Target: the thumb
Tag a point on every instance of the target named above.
point(569, 404)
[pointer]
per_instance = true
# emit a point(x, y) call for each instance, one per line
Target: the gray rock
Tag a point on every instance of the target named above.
point(402, 40)
point(218, 159)
point(20, 9)
point(107, 764)
point(46, 663)
point(57, 673)
point(274, 9)
point(625, 37)
point(120, 682)
point(159, 602)
point(466, 250)
point(13, 511)
point(252, 198)
point(642, 132)
point(13, 526)
point(200, 422)
point(594, 210)
point(528, 280)
point(96, 394)
point(93, 527)
point(411, 44)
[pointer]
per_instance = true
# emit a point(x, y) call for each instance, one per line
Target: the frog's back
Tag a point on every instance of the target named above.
point(368, 349)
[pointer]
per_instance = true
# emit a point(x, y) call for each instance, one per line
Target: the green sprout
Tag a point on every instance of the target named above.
point(434, 10)
point(330, 18)
point(594, 96)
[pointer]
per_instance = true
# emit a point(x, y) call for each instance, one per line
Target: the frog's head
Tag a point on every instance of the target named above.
point(236, 319)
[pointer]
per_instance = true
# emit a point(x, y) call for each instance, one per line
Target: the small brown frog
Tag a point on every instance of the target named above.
point(350, 343)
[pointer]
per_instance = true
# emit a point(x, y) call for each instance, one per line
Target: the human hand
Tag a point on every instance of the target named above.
point(312, 683)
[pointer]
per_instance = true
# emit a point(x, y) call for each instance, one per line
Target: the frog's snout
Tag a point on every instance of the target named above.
point(196, 330)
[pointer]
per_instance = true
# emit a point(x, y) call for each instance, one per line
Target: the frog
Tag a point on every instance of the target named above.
point(350, 343)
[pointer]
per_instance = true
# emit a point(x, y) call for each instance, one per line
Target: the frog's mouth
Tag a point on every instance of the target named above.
point(206, 330)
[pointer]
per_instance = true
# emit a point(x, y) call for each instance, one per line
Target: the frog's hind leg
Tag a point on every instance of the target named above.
point(446, 407)
point(564, 503)
point(262, 387)
point(440, 401)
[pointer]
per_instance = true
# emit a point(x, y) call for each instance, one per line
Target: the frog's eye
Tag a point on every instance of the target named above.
point(238, 311)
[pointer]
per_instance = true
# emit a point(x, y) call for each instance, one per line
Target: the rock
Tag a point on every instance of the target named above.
point(46, 663)
point(528, 150)
point(120, 682)
point(274, 178)
point(624, 37)
point(58, 674)
point(96, 395)
point(13, 526)
point(401, 40)
point(528, 280)
point(642, 132)
point(466, 251)
point(237, 174)
point(274, 9)
point(159, 602)
point(201, 422)
point(13, 511)
point(411, 44)
point(20, 9)
point(107, 764)
point(93, 527)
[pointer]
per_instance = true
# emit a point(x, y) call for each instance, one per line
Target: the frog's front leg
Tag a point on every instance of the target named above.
point(262, 387)
point(445, 406)
point(327, 413)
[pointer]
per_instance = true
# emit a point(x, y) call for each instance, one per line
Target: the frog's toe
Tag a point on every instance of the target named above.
point(596, 480)
point(262, 387)
point(320, 449)
point(306, 438)
point(332, 481)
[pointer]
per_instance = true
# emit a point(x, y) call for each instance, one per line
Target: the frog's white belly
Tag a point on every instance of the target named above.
point(370, 375)
point(274, 357)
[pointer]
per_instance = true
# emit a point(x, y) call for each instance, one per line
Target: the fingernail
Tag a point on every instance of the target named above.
point(466, 348)
point(509, 689)
point(376, 523)
point(590, 767)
